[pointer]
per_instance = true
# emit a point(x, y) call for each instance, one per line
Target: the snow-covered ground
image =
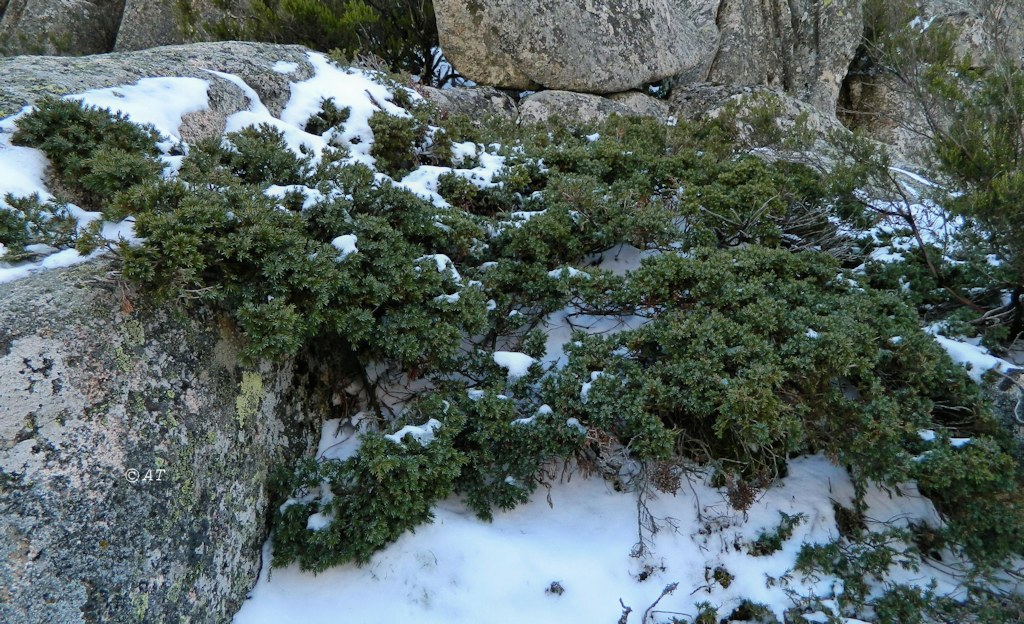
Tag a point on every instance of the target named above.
point(580, 535)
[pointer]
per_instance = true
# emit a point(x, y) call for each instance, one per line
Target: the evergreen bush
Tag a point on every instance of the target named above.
point(94, 152)
point(748, 346)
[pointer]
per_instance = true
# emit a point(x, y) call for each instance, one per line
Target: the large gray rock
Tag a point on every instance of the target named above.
point(594, 46)
point(474, 102)
point(94, 386)
point(66, 27)
point(794, 130)
point(148, 24)
point(23, 80)
point(151, 23)
point(803, 47)
point(588, 108)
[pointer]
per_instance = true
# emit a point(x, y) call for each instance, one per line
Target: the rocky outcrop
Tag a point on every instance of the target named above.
point(587, 108)
point(984, 26)
point(24, 79)
point(83, 27)
point(95, 385)
point(788, 113)
point(593, 46)
point(150, 23)
point(882, 106)
point(134, 452)
point(474, 102)
point(59, 26)
point(803, 47)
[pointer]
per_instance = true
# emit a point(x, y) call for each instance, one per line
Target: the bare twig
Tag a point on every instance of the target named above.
point(671, 587)
point(624, 618)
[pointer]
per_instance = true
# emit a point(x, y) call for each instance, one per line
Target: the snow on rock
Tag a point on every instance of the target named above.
point(352, 88)
point(285, 67)
point(517, 364)
point(60, 259)
point(22, 169)
point(461, 569)
point(161, 102)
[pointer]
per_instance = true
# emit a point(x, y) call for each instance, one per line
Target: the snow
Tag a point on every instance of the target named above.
point(346, 245)
point(423, 181)
point(568, 272)
point(338, 439)
point(574, 423)
point(585, 388)
point(285, 67)
point(60, 259)
point(424, 434)
point(560, 325)
point(161, 102)
point(443, 263)
point(885, 255)
point(311, 196)
point(622, 259)
point(517, 364)
point(318, 521)
point(461, 569)
point(914, 176)
point(920, 24)
point(452, 298)
point(975, 358)
point(929, 435)
point(356, 89)
point(22, 169)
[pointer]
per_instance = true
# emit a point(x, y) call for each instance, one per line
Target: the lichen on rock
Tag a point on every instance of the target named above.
point(128, 486)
